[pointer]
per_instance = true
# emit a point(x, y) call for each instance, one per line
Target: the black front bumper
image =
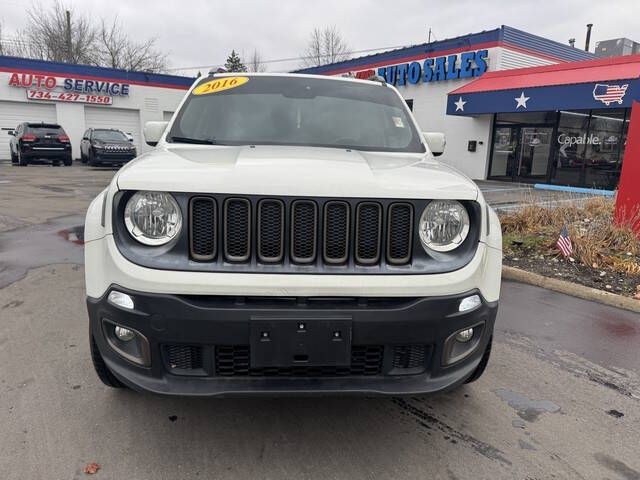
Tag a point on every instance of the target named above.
point(106, 158)
point(201, 345)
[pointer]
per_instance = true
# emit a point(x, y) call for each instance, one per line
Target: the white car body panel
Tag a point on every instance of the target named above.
point(110, 267)
point(291, 171)
point(296, 171)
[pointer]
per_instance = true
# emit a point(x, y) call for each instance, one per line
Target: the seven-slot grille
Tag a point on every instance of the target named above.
point(302, 232)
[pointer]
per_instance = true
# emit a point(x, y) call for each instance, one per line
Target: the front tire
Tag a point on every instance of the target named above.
point(103, 372)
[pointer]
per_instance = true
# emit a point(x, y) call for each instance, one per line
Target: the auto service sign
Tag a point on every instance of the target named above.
point(74, 90)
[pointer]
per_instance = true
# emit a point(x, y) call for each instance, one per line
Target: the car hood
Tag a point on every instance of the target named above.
point(294, 171)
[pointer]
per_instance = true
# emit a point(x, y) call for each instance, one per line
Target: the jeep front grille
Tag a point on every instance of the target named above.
point(270, 231)
point(202, 228)
point(336, 233)
point(304, 231)
point(399, 233)
point(237, 229)
point(330, 233)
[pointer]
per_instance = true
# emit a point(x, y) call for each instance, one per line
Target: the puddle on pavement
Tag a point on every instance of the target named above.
point(526, 408)
point(57, 241)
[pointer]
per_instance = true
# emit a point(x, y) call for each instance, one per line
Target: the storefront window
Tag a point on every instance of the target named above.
point(603, 161)
point(572, 147)
point(568, 162)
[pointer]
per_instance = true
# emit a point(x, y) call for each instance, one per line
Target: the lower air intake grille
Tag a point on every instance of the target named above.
point(183, 357)
point(409, 356)
point(234, 360)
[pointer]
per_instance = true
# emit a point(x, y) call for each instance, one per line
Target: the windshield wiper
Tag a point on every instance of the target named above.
point(200, 141)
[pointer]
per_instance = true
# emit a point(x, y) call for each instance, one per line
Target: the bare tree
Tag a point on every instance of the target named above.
point(117, 50)
point(255, 63)
point(325, 45)
point(56, 35)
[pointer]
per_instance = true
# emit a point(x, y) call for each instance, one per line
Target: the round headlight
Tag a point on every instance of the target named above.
point(444, 225)
point(152, 218)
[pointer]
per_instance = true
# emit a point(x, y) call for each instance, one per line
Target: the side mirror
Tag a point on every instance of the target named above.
point(436, 142)
point(129, 136)
point(12, 133)
point(153, 132)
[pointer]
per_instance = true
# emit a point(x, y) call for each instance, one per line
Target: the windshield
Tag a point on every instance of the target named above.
point(295, 111)
point(109, 135)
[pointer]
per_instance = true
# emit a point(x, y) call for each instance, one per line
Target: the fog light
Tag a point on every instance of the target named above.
point(463, 335)
point(121, 300)
point(469, 303)
point(127, 342)
point(462, 343)
point(124, 334)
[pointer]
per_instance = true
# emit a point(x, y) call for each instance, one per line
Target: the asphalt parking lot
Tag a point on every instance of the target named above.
point(560, 398)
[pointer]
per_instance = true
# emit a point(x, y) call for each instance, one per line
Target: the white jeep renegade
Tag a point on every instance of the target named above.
point(291, 234)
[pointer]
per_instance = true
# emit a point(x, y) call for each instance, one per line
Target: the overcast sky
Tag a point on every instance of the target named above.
point(200, 32)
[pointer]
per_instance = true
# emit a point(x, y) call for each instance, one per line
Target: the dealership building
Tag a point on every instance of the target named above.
point(514, 106)
point(79, 97)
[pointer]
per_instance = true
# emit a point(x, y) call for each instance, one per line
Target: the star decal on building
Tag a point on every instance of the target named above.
point(460, 104)
point(521, 101)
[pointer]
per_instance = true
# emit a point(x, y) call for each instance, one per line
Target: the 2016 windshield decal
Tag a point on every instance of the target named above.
point(219, 85)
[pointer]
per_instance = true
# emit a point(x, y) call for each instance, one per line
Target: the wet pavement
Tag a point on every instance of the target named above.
point(38, 245)
point(560, 398)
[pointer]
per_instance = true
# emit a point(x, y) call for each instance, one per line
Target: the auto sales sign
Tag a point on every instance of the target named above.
point(449, 67)
point(78, 90)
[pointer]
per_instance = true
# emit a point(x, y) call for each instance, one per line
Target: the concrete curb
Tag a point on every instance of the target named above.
point(573, 289)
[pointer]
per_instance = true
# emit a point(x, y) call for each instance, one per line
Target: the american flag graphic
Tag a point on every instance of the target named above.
point(564, 242)
point(608, 94)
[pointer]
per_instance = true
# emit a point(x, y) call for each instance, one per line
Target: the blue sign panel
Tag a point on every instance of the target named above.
point(581, 96)
point(450, 67)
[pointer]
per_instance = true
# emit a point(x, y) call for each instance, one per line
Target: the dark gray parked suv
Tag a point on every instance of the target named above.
point(106, 146)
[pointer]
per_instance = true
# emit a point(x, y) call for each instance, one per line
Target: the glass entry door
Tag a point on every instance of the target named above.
point(533, 155)
point(521, 153)
point(505, 147)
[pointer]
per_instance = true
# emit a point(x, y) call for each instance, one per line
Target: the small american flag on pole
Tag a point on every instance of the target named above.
point(564, 242)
